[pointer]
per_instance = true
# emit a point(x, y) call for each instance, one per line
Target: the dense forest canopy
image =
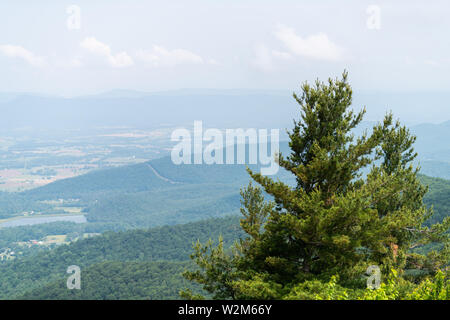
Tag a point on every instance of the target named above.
point(163, 246)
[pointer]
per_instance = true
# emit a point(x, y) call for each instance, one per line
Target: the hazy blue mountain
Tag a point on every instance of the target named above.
point(411, 107)
point(438, 169)
point(433, 141)
point(123, 93)
point(219, 108)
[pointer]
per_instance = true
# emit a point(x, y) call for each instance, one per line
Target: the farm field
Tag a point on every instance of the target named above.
point(27, 162)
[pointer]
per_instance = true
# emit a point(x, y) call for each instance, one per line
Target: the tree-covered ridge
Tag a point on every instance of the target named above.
point(169, 243)
point(158, 284)
point(114, 280)
point(133, 196)
point(139, 178)
point(167, 206)
point(114, 251)
point(437, 196)
point(334, 222)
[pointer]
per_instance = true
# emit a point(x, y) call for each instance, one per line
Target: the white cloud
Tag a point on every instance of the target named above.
point(121, 59)
point(96, 47)
point(266, 59)
point(13, 51)
point(118, 60)
point(71, 63)
point(317, 46)
point(281, 55)
point(162, 57)
point(263, 58)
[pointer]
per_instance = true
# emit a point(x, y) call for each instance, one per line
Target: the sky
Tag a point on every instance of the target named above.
point(74, 47)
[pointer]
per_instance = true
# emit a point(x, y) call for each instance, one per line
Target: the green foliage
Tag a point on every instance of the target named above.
point(318, 290)
point(120, 281)
point(436, 289)
point(438, 196)
point(169, 243)
point(394, 288)
point(335, 221)
point(218, 276)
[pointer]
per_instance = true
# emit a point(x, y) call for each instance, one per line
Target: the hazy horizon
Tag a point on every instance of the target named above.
point(408, 106)
point(390, 49)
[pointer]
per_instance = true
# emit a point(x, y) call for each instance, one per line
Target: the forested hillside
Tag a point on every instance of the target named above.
point(135, 197)
point(169, 243)
point(149, 194)
point(179, 204)
point(438, 196)
point(121, 280)
point(152, 175)
point(113, 201)
point(112, 263)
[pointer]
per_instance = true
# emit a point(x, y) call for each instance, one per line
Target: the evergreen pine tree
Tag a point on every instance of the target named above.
point(336, 220)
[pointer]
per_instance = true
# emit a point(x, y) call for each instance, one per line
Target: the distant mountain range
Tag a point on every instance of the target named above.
point(225, 109)
point(217, 108)
point(134, 109)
